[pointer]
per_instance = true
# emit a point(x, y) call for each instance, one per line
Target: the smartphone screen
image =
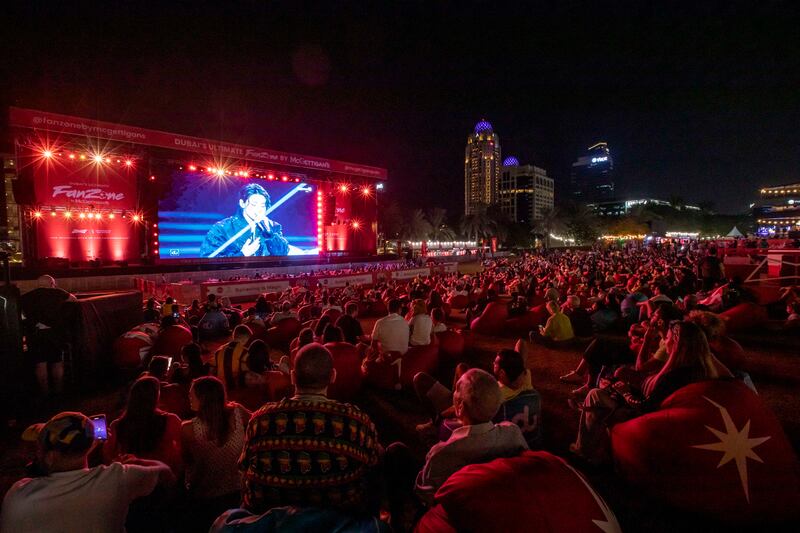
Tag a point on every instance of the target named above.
point(100, 430)
point(169, 362)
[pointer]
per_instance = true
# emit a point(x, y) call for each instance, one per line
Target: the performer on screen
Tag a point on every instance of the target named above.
point(263, 237)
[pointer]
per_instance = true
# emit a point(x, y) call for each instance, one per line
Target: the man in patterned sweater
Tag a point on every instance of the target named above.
point(309, 449)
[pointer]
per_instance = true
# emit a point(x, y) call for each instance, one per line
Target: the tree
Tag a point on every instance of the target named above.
point(390, 221)
point(476, 225)
point(552, 221)
point(416, 227)
point(440, 231)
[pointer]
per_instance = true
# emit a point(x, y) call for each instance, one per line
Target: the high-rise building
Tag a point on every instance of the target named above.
point(481, 167)
point(592, 176)
point(9, 210)
point(525, 191)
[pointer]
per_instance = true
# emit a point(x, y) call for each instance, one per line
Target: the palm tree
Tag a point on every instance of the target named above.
point(440, 231)
point(552, 220)
point(476, 225)
point(416, 227)
point(391, 223)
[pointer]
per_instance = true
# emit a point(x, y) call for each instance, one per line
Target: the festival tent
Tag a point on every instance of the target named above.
point(734, 233)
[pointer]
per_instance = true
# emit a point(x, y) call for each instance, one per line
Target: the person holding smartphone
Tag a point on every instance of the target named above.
point(70, 496)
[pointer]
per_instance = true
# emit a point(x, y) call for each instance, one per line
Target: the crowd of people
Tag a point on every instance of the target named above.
point(183, 456)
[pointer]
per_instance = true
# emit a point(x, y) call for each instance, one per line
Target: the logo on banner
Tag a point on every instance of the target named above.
point(86, 194)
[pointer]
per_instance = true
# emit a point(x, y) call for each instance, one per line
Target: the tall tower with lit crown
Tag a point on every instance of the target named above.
point(482, 165)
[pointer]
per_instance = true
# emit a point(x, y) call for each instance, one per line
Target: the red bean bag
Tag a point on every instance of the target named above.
point(279, 386)
point(378, 308)
point(534, 491)
point(383, 372)
point(531, 320)
point(272, 296)
point(333, 313)
point(171, 340)
point(459, 301)
point(743, 317)
point(713, 448)
point(347, 363)
point(131, 350)
point(418, 359)
point(766, 294)
point(451, 345)
point(493, 319)
point(729, 352)
point(250, 397)
point(305, 313)
point(282, 333)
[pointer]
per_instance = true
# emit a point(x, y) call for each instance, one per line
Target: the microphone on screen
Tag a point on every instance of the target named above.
point(262, 224)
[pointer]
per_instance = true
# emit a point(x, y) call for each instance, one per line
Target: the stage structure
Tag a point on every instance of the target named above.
point(101, 193)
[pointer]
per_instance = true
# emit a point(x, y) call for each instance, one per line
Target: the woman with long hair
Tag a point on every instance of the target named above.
point(144, 430)
point(420, 323)
point(689, 361)
point(212, 442)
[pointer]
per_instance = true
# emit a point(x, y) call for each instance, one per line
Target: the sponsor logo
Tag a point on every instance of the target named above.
point(86, 194)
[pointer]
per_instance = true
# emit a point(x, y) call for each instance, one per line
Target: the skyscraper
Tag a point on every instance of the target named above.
point(592, 176)
point(525, 191)
point(481, 167)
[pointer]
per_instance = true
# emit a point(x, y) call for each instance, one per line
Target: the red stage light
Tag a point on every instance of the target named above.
point(111, 215)
point(52, 213)
point(47, 153)
point(72, 156)
point(82, 215)
point(297, 180)
point(155, 234)
point(152, 178)
point(245, 174)
point(91, 215)
point(192, 168)
point(155, 225)
point(343, 188)
point(284, 178)
point(271, 176)
point(365, 191)
point(37, 214)
point(356, 224)
point(136, 218)
point(107, 160)
point(98, 158)
point(83, 156)
point(67, 214)
point(129, 162)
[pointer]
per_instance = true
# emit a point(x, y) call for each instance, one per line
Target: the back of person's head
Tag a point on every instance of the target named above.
point(212, 407)
point(306, 336)
point(258, 356)
point(211, 298)
point(574, 301)
point(169, 300)
point(510, 361)
point(241, 333)
point(668, 312)
point(394, 305)
point(286, 307)
point(477, 396)
point(711, 323)
point(167, 321)
point(261, 303)
point(46, 282)
point(195, 303)
point(552, 306)
point(151, 303)
point(322, 323)
point(139, 428)
point(158, 366)
point(688, 347)
point(437, 315)
point(192, 355)
point(351, 308)
point(68, 435)
point(418, 307)
point(313, 367)
point(332, 334)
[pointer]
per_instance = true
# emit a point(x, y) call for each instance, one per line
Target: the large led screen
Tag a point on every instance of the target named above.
point(202, 215)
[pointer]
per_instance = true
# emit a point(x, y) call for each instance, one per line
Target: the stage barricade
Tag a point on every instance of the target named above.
point(713, 448)
point(92, 325)
point(534, 491)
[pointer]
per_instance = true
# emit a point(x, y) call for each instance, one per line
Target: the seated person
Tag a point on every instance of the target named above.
point(284, 313)
point(558, 327)
point(392, 331)
point(190, 366)
point(518, 306)
point(437, 316)
point(230, 360)
point(332, 334)
point(578, 317)
point(144, 430)
point(67, 495)
point(151, 311)
point(793, 319)
point(349, 324)
point(304, 437)
point(689, 361)
point(258, 364)
point(214, 322)
point(420, 324)
point(194, 310)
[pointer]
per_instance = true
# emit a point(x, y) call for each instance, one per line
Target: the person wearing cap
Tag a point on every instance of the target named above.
point(70, 496)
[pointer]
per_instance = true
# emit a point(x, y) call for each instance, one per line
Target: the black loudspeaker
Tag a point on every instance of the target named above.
point(329, 211)
point(23, 189)
point(55, 263)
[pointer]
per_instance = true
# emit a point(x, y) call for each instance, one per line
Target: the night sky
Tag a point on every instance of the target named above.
point(700, 102)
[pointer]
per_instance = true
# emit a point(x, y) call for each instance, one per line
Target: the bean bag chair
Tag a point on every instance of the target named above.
point(729, 352)
point(171, 340)
point(383, 372)
point(532, 319)
point(378, 308)
point(493, 319)
point(418, 359)
point(272, 296)
point(534, 491)
point(743, 317)
point(279, 386)
point(451, 346)
point(333, 313)
point(174, 398)
point(131, 350)
point(258, 329)
point(459, 301)
point(250, 397)
point(713, 448)
point(347, 363)
point(305, 313)
point(766, 294)
point(282, 333)
point(296, 519)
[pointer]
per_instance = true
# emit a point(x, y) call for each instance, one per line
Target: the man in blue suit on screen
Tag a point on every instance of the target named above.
point(248, 233)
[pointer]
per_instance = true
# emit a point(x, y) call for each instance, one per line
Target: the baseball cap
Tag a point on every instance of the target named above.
point(67, 432)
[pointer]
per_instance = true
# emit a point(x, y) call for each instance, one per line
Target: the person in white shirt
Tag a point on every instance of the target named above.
point(391, 331)
point(70, 496)
point(437, 315)
point(420, 323)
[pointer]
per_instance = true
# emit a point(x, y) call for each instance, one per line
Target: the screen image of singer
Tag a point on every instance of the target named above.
point(202, 215)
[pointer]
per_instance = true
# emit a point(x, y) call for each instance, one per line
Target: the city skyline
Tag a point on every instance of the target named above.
point(687, 97)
